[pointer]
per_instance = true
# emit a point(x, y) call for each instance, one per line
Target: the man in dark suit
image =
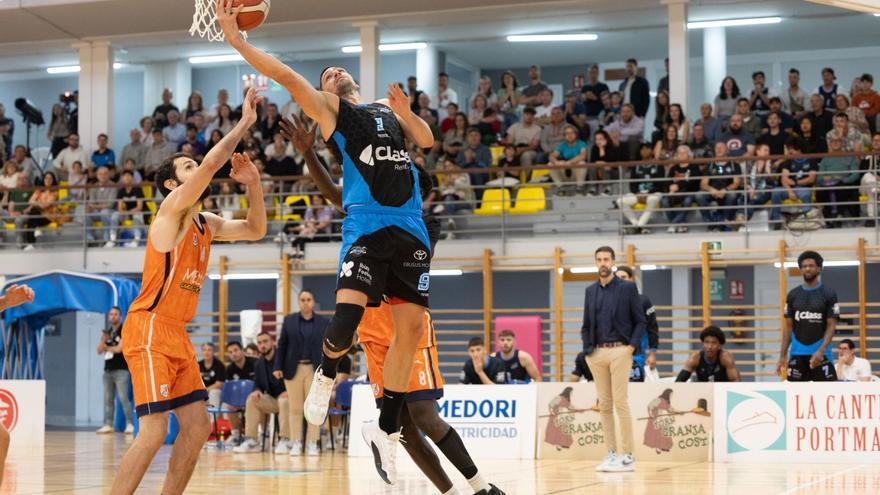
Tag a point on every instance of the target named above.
point(635, 89)
point(614, 322)
point(299, 355)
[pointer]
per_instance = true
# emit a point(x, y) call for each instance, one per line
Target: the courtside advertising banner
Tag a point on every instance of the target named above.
point(670, 421)
point(494, 421)
point(833, 422)
point(23, 412)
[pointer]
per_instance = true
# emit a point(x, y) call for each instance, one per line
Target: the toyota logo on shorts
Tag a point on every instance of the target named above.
point(420, 255)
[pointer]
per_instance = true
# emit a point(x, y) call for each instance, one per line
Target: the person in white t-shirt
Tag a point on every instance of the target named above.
point(445, 95)
point(849, 367)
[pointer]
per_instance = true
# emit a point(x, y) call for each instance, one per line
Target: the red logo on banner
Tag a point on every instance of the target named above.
point(8, 409)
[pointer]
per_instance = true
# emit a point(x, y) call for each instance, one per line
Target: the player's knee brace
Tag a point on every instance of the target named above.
point(340, 333)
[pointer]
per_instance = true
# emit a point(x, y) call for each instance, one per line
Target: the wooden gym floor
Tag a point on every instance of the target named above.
point(85, 463)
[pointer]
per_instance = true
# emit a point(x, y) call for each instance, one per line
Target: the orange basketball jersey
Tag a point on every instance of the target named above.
point(377, 325)
point(172, 281)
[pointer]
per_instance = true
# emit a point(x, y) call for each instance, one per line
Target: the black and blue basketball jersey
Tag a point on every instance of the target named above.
point(380, 187)
point(711, 371)
point(810, 309)
point(512, 369)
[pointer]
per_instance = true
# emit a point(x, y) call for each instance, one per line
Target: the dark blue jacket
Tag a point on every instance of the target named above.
point(294, 347)
point(264, 381)
point(628, 317)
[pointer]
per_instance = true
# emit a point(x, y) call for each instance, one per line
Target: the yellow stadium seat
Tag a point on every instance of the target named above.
point(639, 206)
point(529, 200)
point(863, 198)
point(293, 199)
point(10, 226)
point(151, 205)
point(148, 191)
point(62, 192)
point(537, 174)
point(242, 201)
point(127, 223)
point(275, 208)
point(494, 202)
point(497, 151)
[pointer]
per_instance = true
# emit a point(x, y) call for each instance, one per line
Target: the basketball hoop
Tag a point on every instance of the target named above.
point(205, 22)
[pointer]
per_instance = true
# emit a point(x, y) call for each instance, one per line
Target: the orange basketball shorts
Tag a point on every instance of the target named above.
point(425, 382)
point(164, 371)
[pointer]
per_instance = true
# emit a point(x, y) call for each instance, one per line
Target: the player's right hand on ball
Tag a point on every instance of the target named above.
point(227, 17)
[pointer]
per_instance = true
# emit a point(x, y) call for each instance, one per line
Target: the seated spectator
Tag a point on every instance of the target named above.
point(727, 100)
point(278, 162)
point(856, 116)
point(868, 184)
point(25, 163)
point(103, 156)
point(224, 122)
point(175, 132)
point(700, 145)
point(229, 201)
point(576, 113)
point(661, 114)
point(797, 181)
point(761, 179)
point(525, 136)
point(481, 368)
point(213, 374)
point(677, 118)
point(683, 184)
point(665, 147)
point(160, 113)
point(813, 142)
point(853, 140)
point(485, 88)
point(194, 106)
point(581, 369)
point(448, 121)
point(16, 201)
point(72, 153)
point(711, 125)
point(750, 122)
point(9, 177)
point(129, 206)
point(41, 210)
point(794, 98)
point(713, 363)
point(544, 106)
point(552, 134)
point(475, 155)
point(631, 129)
point(490, 127)
point(135, 150)
point(158, 152)
point(269, 396)
point(774, 135)
point(851, 368)
point(240, 367)
point(509, 98)
point(519, 365)
point(192, 139)
point(317, 225)
point(100, 207)
point(531, 93)
point(720, 185)
point(457, 134)
point(507, 159)
point(604, 150)
point(279, 147)
point(146, 131)
point(428, 117)
point(611, 103)
point(838, 181)
point(868, 101)
point(759, 98)
point(478, 107)
point(269, 125)
point(786, 122)
point(77, 179)
point(645, 187)
point(737, 141)
point(571, 152)
point(821, 118)
point(456, 192)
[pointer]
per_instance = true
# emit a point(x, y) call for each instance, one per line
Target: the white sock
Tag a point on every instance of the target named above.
point(451, 491)
point(478, 483)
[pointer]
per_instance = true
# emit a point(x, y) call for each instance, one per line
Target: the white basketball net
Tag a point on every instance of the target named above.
point(205, 22)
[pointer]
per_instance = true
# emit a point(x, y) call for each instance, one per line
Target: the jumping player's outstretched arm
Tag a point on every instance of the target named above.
point(252, 228)
point(16, 295)
point(319, 105)
point(414, 127)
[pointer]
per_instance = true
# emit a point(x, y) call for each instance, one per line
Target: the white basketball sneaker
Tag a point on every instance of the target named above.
point(623, 464)
point(384, 448)
point(318, 400)
point(607, 463)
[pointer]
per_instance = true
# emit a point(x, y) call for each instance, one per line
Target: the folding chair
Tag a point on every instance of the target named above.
point(343, 400)
point(234, 393)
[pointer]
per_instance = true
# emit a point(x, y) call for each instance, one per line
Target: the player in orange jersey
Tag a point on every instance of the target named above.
point(15, 295)
point(164, 372)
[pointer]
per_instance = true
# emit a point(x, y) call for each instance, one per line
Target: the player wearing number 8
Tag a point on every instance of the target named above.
point(811, 314)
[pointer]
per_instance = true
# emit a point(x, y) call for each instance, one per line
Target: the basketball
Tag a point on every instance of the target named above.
point(253, 14)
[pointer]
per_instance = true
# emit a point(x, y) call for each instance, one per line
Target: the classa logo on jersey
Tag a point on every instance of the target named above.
point(383, 154)
point(807, 315)
point(8, 409)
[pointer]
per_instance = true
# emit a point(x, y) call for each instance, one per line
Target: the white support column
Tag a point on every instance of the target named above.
point(369, 69)
point(681, 297)
point(714, 61)
point(678, 53)
point(175, 75)
point(95, 92)
point(427, 69)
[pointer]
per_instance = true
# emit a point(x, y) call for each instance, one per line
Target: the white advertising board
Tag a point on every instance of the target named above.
point(23, 411)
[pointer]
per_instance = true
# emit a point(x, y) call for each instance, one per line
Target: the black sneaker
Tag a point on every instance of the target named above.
point(493, 490)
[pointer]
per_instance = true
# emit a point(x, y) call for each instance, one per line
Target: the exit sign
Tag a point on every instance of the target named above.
point(714, 248)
